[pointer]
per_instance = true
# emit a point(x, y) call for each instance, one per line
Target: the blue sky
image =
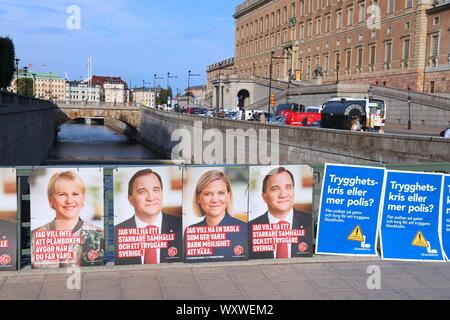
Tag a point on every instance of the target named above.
point(126, 38)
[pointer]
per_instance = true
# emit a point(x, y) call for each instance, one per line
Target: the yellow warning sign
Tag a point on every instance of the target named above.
point(420, 241)
point(356, 235)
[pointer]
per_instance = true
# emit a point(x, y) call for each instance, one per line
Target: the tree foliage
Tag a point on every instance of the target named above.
point(26, 87)
point(7, 56)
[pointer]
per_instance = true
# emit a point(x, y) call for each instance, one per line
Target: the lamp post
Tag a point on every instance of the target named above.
point(155, 77)
point(190, 74)
point(17, 60)
point(25, 79)
point(409, 108)
point(338, 64)
point(168, 78)
point(270, 77)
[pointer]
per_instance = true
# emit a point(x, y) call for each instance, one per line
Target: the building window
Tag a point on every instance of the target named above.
point(348, 61)
point(337, 58)
point(372, 56)
point(318, 26)
point(405, 52)
point(310, 6)
point(326, 64)
point(328, 23)
point(302, 8)
point(390, 6)
point(362, 12)
point(272, 41)
point(389, 30)
point(338, 19)
point(349, 16)
point(293, 7)
point(309, 31)
point(285, 14)
point(273, 20)
point(388, 55)
point(359, 59)
point(302, 31)
point(278, 18)
point(408, 4)
point(436, 20)
point(285, 36)
point(434, 50)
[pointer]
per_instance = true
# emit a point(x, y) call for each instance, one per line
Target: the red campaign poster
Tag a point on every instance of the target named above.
point(215, 214)
point(147, 213)
point(66, 217)
point(8, 225)
point(280, 205)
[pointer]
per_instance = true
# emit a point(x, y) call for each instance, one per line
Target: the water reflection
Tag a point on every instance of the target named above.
point(83, 142)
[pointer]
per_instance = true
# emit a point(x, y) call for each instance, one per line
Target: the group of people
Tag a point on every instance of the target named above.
point(212, 201)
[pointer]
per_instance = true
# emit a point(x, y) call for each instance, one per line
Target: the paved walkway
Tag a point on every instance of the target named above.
point(314, 278)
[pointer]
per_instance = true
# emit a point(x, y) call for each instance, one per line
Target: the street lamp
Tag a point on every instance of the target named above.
point(168, 78)
point(155, 77)
point(25, 79)
point(17, 74)
point(409, 108)
point(338, 64)
point(270, 77)
point(190, 74)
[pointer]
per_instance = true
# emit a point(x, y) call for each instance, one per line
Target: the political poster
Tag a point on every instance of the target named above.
point(66, 217)
point(147, 215)
point(8, 214)
point(446, 217)
point(411, 217)
point(280, 206)
point(215, 213)
point(349, 210)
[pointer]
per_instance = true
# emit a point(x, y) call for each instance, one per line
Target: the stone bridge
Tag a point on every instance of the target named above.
point(129, 114)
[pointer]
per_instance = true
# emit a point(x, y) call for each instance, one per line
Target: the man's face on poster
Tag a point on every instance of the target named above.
point(147, 195)
point(279, 194)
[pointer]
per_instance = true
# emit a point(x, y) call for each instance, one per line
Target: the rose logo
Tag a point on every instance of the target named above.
point(303, 246)
point(5, 259)
point(172, 252)
point(92, 255)
point(238, 250)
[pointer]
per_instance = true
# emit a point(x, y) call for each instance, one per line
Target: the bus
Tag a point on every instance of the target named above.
point(338, 113)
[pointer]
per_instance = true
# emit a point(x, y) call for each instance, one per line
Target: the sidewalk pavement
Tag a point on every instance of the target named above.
point(320, 277)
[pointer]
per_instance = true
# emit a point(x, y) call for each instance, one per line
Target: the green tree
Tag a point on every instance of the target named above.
point(26, 87)
point(163, 95)
point(7, 56)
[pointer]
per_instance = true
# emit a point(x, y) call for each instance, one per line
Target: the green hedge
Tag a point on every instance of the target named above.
point(7, 56)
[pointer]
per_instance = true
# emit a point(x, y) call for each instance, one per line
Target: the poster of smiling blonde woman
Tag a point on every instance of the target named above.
point(8, 213)
point(66, 217)
point(280, 206)
point(215, 213)
point(147, 214)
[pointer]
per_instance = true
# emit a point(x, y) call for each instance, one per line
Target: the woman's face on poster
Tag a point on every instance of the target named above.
point(214, 198)
point(67, 200)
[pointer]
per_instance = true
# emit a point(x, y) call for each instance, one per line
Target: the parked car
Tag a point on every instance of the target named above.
point(233, 115)
point(282, 109)
point(302, 119)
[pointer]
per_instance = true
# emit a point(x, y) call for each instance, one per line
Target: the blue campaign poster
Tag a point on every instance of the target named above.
point(349, 210)
point(411, 216)
point(446, 217)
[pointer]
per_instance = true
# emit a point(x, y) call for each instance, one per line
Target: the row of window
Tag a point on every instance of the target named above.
point(275, 19)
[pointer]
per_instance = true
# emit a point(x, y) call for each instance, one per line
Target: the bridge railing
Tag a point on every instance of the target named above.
point(97, 104)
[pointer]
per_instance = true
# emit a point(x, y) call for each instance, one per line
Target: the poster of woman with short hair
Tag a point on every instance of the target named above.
point(67, 217)
point(215, 214)
point(147, 214)
point(280, 207)
point(8, 214)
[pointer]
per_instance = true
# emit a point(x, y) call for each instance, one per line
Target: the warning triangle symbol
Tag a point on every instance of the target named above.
point(356, 235)
point(420, 241)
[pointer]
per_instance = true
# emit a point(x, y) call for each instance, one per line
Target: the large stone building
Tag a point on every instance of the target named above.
point(77, 91)
point(47, 86)
point(114, 89)
point(144, 96)
point(397, 43)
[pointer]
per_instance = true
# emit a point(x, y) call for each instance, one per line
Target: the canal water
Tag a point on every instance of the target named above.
point(79, 142)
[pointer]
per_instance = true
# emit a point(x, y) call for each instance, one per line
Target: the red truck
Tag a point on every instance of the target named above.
point(306, 118)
